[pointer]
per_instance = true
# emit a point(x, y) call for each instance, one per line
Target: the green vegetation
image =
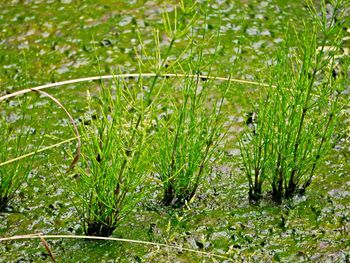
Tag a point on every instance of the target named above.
point(164, 163)
point(187, 142)
point(115, 158)
point(12, 175)
point(296, 117)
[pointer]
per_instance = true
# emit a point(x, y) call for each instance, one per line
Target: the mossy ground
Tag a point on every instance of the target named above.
point(43, 42)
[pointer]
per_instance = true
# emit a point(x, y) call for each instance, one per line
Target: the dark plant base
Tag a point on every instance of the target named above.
point(2, 207)
point(99, 229)
point(278, 197)
point(4, 203)
point(176, 201)
point(254, 196)
point(291, 190)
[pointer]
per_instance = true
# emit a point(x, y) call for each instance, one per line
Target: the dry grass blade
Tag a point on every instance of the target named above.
point(39, 89)
point(38, 151)
point(78, 151)
point(35, 236)
point(46, 245)
point(66, 82)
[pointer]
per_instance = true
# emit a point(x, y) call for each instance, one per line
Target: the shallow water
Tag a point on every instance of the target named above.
point(51, 41)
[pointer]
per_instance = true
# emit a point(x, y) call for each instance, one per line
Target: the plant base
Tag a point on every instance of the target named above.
point(99, 229)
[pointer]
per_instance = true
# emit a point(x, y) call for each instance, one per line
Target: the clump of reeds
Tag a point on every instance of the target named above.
point(115, 153)
point(114, 158)
point(188, 139)
point(298, 112)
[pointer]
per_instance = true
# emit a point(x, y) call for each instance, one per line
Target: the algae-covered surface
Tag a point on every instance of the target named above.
point(51, 41)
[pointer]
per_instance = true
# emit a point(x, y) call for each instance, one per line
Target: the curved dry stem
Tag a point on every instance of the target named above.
point(75, 128)
point(62, 83)
point(37, 151)
point(66, 82)
point(40, 236)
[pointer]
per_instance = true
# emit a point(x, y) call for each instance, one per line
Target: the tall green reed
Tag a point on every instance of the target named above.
point(297, 113)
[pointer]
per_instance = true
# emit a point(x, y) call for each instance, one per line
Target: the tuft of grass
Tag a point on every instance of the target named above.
point(188, 139)
point(114, 158)
point(115, 154)
point(13, 175)
point(296, 118)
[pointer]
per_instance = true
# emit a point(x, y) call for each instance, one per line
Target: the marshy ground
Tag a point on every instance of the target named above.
point(51, 41)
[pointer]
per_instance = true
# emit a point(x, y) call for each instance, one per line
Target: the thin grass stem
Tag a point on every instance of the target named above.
point(66, 82)
point(39, 236)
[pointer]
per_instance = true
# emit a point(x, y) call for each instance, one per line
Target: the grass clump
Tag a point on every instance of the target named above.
point(187, 142)
point(116, 145)
point(12, 175)
point(297, 115)
point(114, 158)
